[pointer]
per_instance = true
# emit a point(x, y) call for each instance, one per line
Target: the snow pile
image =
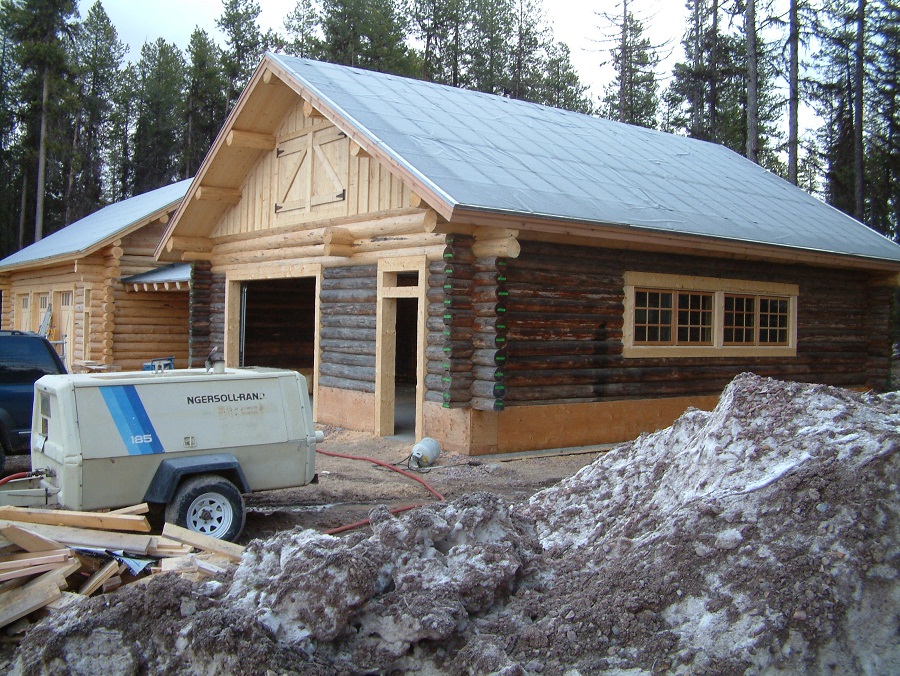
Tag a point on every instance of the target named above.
point(761, 537)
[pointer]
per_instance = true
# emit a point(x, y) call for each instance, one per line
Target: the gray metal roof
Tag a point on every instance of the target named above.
point(485, 152)
point(101, 226)
point(177, 272)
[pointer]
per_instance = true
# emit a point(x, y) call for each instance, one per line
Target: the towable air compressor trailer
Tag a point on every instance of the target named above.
point(188, 439)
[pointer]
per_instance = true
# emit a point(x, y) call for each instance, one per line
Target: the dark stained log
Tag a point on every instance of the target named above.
point(348, 296)
point(362, 335)
point(351, 272)
point(488, 373)
point(489, 357)
point(346, 283)
point(489, 309)
point(348, 346)
point(481, 404)
point(488, 390)
point(458, 271)
point(347, 384)
point(342, 321)
point(361, 373)
point(349, 359)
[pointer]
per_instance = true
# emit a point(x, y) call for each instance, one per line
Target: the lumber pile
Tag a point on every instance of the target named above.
point(44, 552)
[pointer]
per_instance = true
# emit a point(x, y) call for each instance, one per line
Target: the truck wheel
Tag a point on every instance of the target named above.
point(208, 504)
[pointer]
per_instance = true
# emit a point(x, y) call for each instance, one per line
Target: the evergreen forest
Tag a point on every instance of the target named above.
point(81, 126)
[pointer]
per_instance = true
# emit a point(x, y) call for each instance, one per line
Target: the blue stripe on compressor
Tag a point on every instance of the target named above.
point(131, 419)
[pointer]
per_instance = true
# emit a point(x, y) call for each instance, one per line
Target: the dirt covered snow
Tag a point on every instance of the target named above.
point(761, 537)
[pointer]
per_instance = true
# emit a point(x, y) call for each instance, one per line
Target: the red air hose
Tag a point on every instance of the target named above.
point(17, 475)
point(384, 464)
point(365, 522)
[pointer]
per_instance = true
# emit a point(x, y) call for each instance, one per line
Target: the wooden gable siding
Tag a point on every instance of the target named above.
point(547, 327)
point(299, 182)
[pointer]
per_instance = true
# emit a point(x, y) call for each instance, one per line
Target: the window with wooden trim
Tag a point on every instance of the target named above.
point(677, 315)
point(672, 317)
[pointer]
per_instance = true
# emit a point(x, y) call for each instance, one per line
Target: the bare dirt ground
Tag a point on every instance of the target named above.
point(348, 489)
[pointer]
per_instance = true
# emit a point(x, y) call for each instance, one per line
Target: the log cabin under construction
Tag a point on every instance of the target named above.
point(95, 289)
point(536, 278)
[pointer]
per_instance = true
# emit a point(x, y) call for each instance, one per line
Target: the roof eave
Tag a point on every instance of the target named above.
point(641, 237)
point(74, 256)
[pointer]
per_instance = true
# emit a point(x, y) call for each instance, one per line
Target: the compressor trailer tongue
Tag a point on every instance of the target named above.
point(189, 440)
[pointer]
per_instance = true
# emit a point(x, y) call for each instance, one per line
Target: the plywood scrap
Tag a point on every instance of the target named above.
point(229, 550)
point(63, 517)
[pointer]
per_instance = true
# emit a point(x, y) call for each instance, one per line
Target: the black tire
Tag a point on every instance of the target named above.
point(208, 504)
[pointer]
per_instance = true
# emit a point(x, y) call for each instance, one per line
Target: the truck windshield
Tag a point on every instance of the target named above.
point(24, 360)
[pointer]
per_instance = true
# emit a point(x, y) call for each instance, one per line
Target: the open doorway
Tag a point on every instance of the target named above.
point(400, 347)
point(405, 367)
point(278, 324)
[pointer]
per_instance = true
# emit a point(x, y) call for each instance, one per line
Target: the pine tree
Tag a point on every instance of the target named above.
point(883, 153)
point(119, 169)
point(440, 25)
point(633, 95)
point(98, 57)
point(204, 103)
point(158, 124)
point(489, 47)
point(369, 34)
point(528, 57)
point(10, 166)
point(301, 26)
point(562, 87)
point(245, 45)
point(40, 28)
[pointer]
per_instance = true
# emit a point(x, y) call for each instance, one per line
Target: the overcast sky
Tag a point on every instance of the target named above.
point(578, 23)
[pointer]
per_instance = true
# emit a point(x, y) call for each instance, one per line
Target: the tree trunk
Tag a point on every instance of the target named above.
point(859, 178)
point(22, 207)
point(794, 94)
point(42, 161)
point(752, 82)
point(623, 62)
point(714, 75)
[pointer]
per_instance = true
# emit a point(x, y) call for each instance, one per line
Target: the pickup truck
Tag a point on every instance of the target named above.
point(24, 357)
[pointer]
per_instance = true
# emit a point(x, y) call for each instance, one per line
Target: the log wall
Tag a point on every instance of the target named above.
point(347, 333)
point(565, 320)
point(467, 329)
point(148, 325)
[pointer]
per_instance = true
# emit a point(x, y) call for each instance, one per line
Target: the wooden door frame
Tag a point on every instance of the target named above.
point(386, 338)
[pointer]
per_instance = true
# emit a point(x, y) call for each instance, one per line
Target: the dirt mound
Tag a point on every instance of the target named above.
point(760, 537)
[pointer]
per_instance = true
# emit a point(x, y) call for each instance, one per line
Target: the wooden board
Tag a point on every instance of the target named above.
point(86, 537)
point(27, 539)
point(229, 550)
point(26, 599)
point(64, 517)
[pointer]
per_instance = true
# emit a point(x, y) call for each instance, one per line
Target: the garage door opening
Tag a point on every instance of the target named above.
point(278, 324)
